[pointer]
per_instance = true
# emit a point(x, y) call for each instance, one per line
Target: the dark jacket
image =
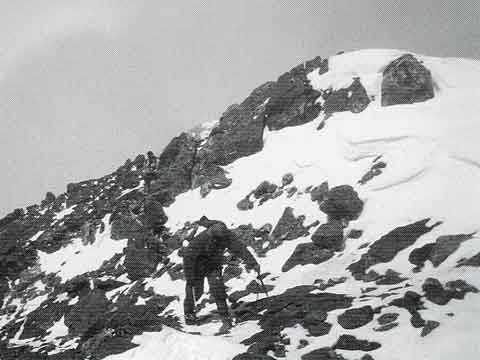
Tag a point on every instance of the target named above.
point(204, 254)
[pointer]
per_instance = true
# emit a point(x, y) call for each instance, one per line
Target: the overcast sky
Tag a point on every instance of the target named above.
point(84, 85)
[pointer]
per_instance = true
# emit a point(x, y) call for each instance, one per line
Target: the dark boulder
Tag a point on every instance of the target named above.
point(319, 329)
point(342, 202)
point(355, 318)
point(354, 99)
point(289, 227)
point(245, 204)
point(418, 256)
point(287, 179)
point(329, 236)
point(264, 188)
point(254, 287)
point(405, 81)
point(387, 318)
point(305, 254)
point(350, 342)
point(435, 292)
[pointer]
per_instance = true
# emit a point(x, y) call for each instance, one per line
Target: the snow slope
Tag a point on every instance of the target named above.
point(433, 171)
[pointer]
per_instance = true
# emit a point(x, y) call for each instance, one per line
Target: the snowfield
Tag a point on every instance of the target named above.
point(432, 172)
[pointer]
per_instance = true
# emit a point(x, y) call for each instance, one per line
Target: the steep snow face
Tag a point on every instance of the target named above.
point(432, 172)
point(432, 158)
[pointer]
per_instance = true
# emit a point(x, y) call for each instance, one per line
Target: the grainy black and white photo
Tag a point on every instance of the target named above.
point(239, 180)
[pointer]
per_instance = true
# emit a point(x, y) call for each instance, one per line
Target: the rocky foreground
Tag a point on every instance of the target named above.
point(353, 179)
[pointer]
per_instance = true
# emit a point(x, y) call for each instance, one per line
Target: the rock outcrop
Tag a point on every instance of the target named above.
point(405, 81)
point(342, 202)
point(292, 100)
point(353, 98)
point(385, 249)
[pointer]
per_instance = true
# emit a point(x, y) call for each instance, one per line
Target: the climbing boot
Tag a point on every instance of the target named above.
point(227, 325)
point(190, 319)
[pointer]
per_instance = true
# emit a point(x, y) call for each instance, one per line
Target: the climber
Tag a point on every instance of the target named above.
point(149, 170)
point(88, 233)
point(203, 257)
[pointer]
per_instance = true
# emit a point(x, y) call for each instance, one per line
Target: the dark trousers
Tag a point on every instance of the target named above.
point(194, 290)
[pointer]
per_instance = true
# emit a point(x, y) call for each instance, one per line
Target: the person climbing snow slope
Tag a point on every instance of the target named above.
point(149, 168)
point(203, 258)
